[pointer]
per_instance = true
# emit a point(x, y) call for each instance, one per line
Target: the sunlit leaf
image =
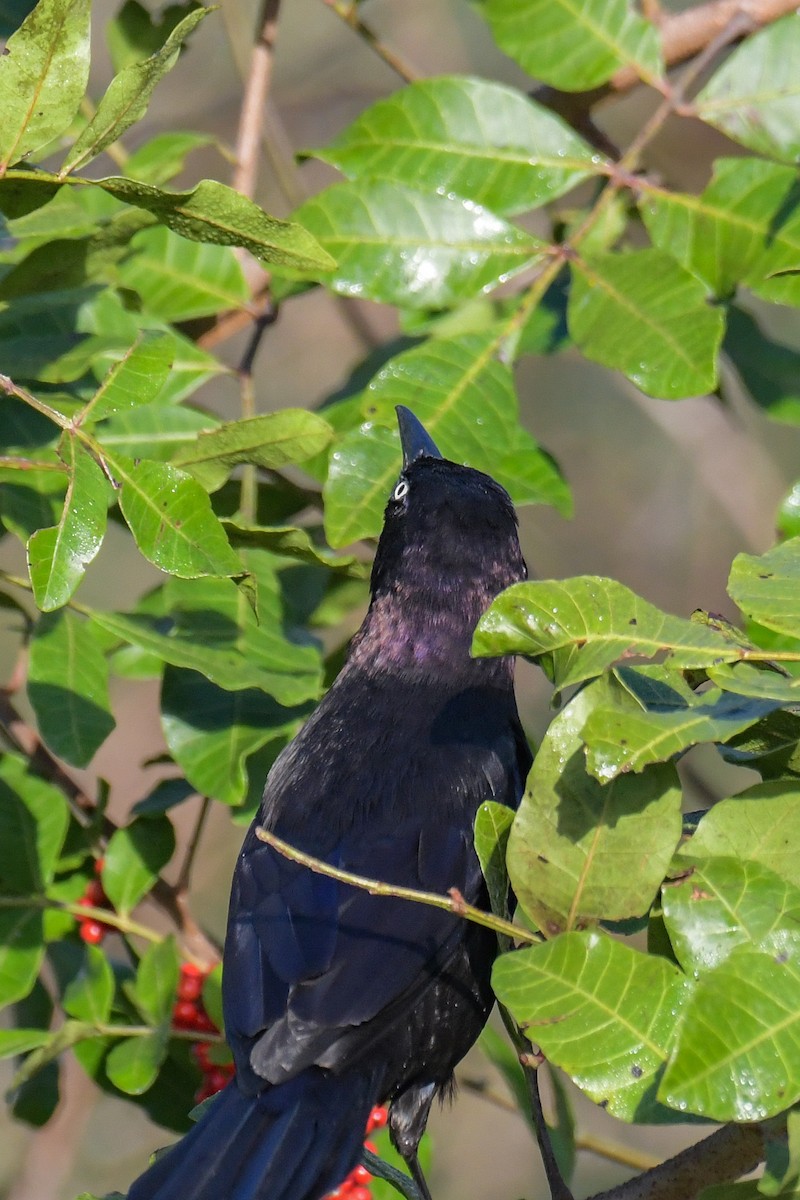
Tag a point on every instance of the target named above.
point(574, 47)
point(761, 824)
point(578, 627)
point(128, 96)
point(272, 440)
point(603, 1012)
point(579, 850)
point(179, 280)
point(767, 588)
point(737, 1056)
point(58, 555)
point(43, 75)
point(136, 378)
point(33, 825)
point(643, 314)
point(401, 246)
point(134, 857)
point(475, 138)
point(754, 97)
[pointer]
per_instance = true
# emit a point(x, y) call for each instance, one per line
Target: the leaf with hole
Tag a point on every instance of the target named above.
point(576, 628)
point(602, 1011)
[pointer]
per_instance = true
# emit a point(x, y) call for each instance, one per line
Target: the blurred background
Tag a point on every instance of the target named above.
point(692, 484)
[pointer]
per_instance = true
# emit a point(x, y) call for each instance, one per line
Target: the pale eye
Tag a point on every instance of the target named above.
point(400, 490)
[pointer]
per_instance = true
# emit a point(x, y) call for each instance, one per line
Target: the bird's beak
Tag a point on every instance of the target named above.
point(414, 437)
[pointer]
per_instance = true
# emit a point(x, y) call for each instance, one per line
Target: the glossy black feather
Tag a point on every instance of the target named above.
point(326, 985)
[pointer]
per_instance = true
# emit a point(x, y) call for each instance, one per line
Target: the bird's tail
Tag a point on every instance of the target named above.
point(295, 1141)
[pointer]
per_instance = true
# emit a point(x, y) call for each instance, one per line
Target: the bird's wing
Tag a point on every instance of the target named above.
point(309, 958)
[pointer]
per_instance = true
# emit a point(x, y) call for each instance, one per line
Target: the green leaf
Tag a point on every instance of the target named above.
point(466, 399)
point(157, 981)
point(133, 859)
point(744, 228)
point(770, 371)
point(154, 432)
point(212, 212)
point(761, 824)
point(164, 156)
point(581, 851)
point(273, 441)
point(603, 1012)
point(43, 75)
point(64, 1038)
point(212, 995)
point(21, 950)
point(737, 1056)
point(492, 826)
point(90, 993)
point(33, 825)
point(401, 246)
point(59, 555)
point(207, 626)
point(575, 47)
point(766, 587)
point(746, 679)
point(133, 1064)
point(754, 97)
point(788, 520)
point(171, 519)
point(68, 687)
point(469, 136)
point(211, 732)
point(179, 280)
point(20, 1041)
point(289, 541)
point(723, 903)
point(653, 717)
point(136, 378)
point(644, 315)
point(771, 747)
point(579, 627)
point(128, 96)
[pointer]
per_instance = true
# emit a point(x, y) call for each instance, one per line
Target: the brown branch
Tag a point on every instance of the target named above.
point(251, 117)
point(684, 35)
point(726, 1155)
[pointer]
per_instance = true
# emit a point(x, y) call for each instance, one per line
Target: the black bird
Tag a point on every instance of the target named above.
point(336, 1000)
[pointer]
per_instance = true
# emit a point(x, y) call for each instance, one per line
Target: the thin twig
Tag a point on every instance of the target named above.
point(453, 903)
point(348, 11)
point(185, 873)
point(625, 1156)
point(251, 116)
point(555, 1180)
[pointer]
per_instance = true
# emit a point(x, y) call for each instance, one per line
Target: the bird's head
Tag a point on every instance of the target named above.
point(449, 543)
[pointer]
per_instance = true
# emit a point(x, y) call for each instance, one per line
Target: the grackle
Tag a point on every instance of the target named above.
point(336, 1000)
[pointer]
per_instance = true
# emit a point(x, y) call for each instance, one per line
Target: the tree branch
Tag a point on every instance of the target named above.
point(348, 11)
point(727, 1154)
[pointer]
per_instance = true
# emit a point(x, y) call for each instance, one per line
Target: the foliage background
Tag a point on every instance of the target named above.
point(664, 495)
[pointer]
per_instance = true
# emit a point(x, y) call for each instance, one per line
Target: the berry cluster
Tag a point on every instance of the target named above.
point(356, 1185)
point(91, 930)
point(189, 1013)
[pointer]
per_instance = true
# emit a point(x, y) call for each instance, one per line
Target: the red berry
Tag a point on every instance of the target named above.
point(203, 1094)
point(98, 865)
point(201, 1051)
point(190, 968)
point(202, 1021)
point(371, 1146)
point(185, 1015)
point(190, 987)
point(92, 932)
point(94, 894)
point(360, 1193)
point(217, 1079)
point(360, 1174)
point(377, 1118)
